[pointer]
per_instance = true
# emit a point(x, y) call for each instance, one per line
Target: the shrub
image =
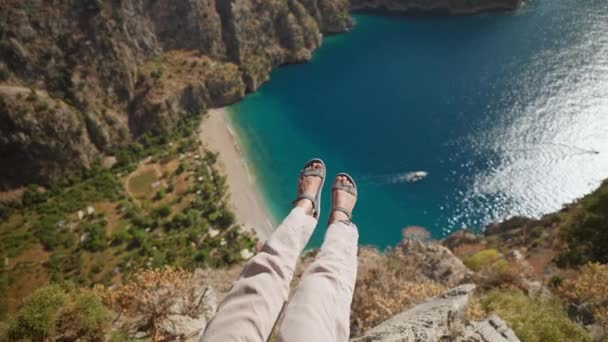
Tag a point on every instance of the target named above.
point(120, 235)
point(53, 311)
point(586, 233)
point(50, 232)
point(481, 259)
point(38, 316)
point(160, 194)
point(4, 212)
point(590, 288)
point(162, 211)
point(96, 240)
point(33, 195)
point(533, 320)
point(152, 295)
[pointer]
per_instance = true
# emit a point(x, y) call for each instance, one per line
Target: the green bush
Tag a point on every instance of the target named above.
point(64, 266)
point(482, 259)
point(586, 233)
point(54, 310)
point(37, 318)
point(533, 320)
point(162, 211)
point(4, 212)
point(96, 240)
point(160, 194)
point(51, 232)
point(120, 235)
point(33, 195)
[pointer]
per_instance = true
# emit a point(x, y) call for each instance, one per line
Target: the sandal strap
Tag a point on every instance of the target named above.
point(313, 172)
point(345, 187)
point(308, 197)
point(343, 210)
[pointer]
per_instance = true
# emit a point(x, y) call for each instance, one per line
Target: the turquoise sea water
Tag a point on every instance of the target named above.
point(508, 114)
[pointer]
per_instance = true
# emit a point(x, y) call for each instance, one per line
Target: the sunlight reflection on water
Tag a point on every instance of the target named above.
point(557, 143)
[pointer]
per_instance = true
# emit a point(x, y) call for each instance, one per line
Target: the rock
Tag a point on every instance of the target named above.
point(506, 226)
point(190, 329)
point(156, 185)
point(582, 313)
point(516, 255)
point(459, 238)
point(492, 329)
point(246, 254)
point(80, 214)
point(213, 232)
point(433, 320)
point(90, 210)
point(597, 332)
point(108, 162)
point(110, 96)
point(440, 318)
point(191, 311)
point(140, 335)
point(84, 237)
point(435, 262)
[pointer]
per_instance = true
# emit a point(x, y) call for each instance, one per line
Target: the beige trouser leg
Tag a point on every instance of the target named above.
point(251, 308)
point(320, 308)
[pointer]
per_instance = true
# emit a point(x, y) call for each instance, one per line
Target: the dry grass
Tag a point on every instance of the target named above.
point(591, 288)
point(140, 183)
point(475, 311)
point(384, 289)
point(152, 296)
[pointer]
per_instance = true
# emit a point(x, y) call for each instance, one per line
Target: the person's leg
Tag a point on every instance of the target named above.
point(251, 308)
point(320, 307)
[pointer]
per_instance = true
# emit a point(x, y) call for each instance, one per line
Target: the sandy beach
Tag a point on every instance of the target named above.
point(216, 135)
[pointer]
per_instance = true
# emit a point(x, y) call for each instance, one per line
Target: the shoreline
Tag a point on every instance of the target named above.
point(217, 135)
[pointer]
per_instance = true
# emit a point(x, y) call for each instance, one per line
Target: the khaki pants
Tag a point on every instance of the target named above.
point(319, 310)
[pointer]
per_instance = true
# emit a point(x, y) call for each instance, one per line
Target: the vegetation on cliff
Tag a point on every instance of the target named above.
point(163, 203)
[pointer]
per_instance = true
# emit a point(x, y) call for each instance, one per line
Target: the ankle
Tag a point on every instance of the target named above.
point(305, 204)
point(338, 216)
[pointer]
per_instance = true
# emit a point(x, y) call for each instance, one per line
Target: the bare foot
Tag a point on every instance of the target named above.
point(309, 185)
point(342, 199)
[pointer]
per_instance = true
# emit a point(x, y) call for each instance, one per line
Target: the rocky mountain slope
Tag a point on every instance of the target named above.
point(79, 77)
point(98, 71)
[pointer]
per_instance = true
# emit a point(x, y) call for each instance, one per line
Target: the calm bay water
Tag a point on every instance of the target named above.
point(508, 114)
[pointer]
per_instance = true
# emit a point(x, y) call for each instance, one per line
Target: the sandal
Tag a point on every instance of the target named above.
point(351, 189)
point(316, 201)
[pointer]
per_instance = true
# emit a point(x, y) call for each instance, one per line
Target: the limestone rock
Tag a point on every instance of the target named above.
point(459, 238)
point(440, 318)
point(90, 57)
point(433, 320)
point(492, 329)
point(435, 262)
point(191, 313)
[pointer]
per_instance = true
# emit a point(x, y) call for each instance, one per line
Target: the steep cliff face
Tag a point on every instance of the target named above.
point(109, 65)
point(456, 7)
